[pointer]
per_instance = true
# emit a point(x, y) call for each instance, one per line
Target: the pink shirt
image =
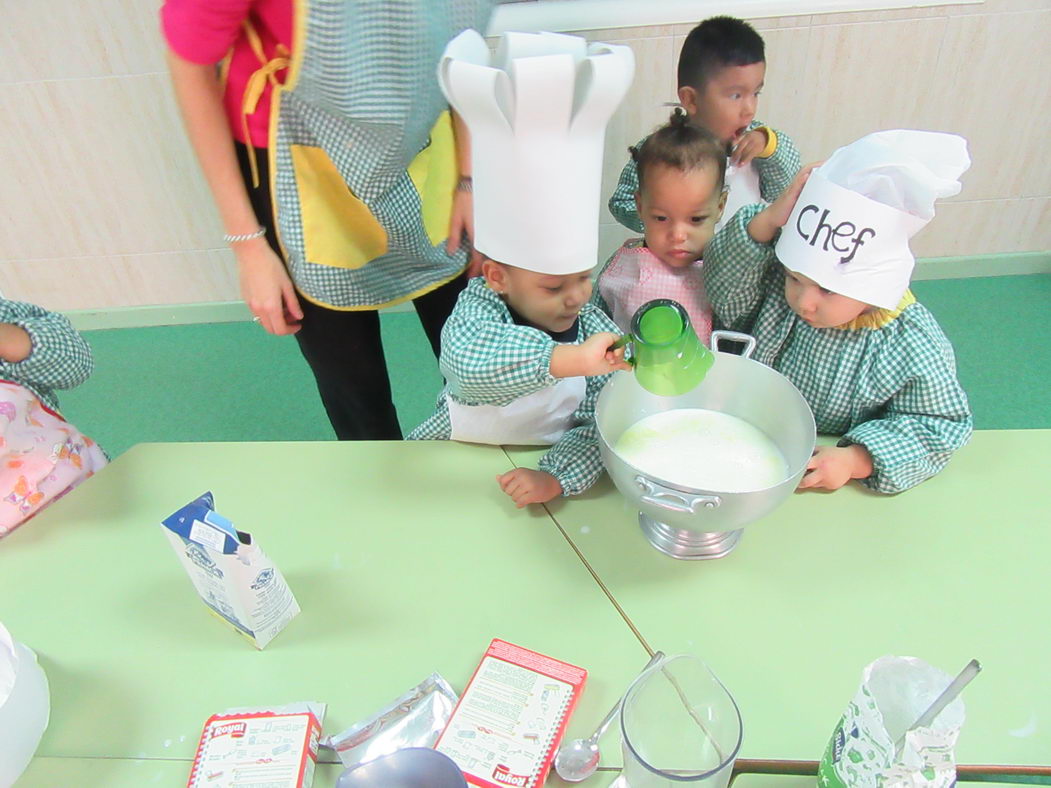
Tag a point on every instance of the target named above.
point(203, 31)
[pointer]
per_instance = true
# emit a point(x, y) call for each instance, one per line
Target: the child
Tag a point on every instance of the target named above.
point(680, 199)
point(722, 67)
point(515, 353)
point(43, 456)
point(524, 353)
point(831, 310)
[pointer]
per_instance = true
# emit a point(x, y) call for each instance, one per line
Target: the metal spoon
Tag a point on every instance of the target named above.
point(578, 760)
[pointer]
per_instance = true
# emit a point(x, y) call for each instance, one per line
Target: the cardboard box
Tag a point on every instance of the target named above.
point(231, 574)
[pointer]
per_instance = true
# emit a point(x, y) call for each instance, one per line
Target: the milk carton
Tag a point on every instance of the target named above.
point(231, 574)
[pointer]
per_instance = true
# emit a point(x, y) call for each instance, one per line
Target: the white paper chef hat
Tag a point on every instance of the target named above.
point(537, 117)
point(850, 228)
point(25, 707)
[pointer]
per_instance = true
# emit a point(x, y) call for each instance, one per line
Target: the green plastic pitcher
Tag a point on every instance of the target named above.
point(668, 357)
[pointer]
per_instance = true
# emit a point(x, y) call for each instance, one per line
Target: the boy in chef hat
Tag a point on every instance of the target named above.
point(830, 307)
point(722, 69)
point(524, 354)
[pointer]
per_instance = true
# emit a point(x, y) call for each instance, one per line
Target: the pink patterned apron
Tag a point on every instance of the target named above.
point(634, 276)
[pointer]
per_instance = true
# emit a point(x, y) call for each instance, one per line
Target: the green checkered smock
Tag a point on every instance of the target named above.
point(488, 359)
point(60, 358)
point(775, 174)
point(890, 388)
point(366, 95)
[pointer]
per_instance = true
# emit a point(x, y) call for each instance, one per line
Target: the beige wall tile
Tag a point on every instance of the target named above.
point(64, 39)
point(131, 280)
point(106, 169)
point(884, 15)
point(780, 104)
point(992, 79)
point(986, 227)
point(642, 109)
point(861, 78)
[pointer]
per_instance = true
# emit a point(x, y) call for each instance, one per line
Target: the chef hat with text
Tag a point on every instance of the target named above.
point(537, 117)
point(850, 228)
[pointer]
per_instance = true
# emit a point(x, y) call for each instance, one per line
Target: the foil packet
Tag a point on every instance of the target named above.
point(416, 719)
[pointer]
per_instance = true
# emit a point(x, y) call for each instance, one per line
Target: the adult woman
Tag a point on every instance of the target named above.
point(327, 117)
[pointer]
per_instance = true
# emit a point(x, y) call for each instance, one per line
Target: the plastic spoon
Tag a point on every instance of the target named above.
point(578, 760)
point(970, 670)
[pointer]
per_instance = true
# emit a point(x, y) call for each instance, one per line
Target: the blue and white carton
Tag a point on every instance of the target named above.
point(231, 574)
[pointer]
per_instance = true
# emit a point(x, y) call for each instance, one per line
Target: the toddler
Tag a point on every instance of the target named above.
point(722, 67)
point(525, 356)
point(42, 456)
point(830, 306)
point(680, 199)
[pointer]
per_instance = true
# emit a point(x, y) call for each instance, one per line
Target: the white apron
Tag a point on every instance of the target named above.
point(537, 419)
point(742, 184)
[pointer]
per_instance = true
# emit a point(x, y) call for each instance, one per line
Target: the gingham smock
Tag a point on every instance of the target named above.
point(889, 384)
point(60, 358)
point(488, 359)
point(775, 174)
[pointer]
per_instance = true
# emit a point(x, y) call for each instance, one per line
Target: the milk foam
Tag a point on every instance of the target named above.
point(703, 449)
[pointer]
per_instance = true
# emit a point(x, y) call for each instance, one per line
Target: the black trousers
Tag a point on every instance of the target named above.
point(344, 348)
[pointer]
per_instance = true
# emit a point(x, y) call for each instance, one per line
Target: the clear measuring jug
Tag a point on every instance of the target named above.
point(679, 726)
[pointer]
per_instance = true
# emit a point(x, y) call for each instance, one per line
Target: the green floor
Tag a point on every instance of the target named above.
point(232, 381)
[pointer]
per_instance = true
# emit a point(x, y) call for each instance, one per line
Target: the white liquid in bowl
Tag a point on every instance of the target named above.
point(703, 449)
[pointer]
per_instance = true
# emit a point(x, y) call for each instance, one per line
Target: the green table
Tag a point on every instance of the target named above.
point(405, 559)
point(952, 569)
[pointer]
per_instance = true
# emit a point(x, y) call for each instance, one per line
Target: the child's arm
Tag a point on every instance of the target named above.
point(735, 271)
point(41, 348)
point(925, 420)
point(622, 203)
point(778, 169)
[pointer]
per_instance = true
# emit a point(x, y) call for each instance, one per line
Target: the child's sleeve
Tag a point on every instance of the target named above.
point(924, 421)
point(489, 362)
point(622, 203)
point(576, 460)
point(779, 168)
point(60, 357)
point(735, 270)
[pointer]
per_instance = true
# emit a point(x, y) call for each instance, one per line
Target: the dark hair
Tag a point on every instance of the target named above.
point(715, 44)
point(680, 145)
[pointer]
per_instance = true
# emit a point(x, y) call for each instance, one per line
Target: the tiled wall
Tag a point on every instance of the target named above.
point(102, 206)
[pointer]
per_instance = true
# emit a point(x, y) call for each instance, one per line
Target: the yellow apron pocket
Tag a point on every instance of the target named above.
point(339, 230)
point(434, 173)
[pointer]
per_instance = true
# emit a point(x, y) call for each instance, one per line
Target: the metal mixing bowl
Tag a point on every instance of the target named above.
point(687, 522)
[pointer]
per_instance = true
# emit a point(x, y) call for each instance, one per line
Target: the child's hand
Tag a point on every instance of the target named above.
point(15, 343)
point(525, 485)
point(833, 466)
point(767, 222)
point(750, 145)
point(590, 357)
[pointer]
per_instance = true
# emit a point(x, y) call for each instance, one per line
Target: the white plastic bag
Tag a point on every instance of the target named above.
point(24, 707)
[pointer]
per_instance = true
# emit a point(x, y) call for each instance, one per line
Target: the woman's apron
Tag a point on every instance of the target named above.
point(537, 419)
point(42, 456)
point(742, 184)
point(362, 155)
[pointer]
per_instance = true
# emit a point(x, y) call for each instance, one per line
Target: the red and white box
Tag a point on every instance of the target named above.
point(248, 747)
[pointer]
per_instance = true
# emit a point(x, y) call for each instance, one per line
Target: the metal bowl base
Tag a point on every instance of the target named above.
point(688, 545)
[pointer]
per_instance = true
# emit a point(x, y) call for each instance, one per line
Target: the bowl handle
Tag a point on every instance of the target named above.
point(734, 336)
point(672, 500)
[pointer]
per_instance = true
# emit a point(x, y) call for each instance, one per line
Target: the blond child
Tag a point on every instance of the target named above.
point(830, 307)
point(42, 456)
point(721, 72)
point(680, 200)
